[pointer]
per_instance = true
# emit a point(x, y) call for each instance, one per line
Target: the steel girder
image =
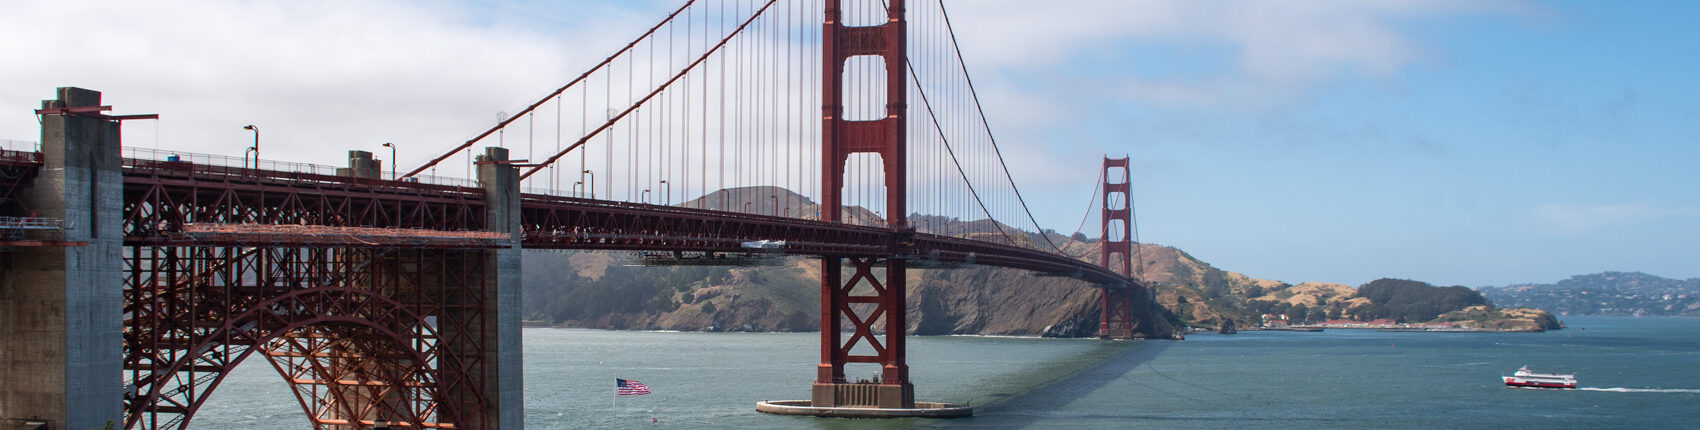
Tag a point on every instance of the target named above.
point(568, 223)
point(862, 300)
point(17, 170)
point(160, 197)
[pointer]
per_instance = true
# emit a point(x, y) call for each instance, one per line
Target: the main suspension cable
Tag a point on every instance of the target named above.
point(557, 92)
point(982, 110)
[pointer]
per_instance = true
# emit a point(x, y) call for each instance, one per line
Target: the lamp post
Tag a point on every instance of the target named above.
point(666, 192)
point(644, 196)
point(255, 149)
point(578, 189)
point(391, 146)
point(775, 204)
point(592, 185)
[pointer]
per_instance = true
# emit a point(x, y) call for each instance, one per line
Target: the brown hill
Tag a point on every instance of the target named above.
point(784, 296)
point(608, 290)
point(596, 289)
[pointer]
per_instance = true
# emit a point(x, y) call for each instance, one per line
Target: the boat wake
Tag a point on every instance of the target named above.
point(1641, 390)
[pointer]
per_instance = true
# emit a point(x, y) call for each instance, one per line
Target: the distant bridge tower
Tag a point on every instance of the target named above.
point(840, 138)
point(1117, 320)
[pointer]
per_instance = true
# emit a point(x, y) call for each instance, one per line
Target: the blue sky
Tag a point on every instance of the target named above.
point(1453, 142)
point(1516, 142)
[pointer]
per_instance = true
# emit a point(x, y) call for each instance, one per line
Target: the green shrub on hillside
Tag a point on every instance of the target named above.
point(1413, 301)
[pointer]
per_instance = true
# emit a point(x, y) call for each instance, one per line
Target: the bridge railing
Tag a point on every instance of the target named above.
point(20, 151)
point(149, 154)
point(556, 192)
point(10, 156)
point(437, 180)
point(20, 145)
point(173, 160)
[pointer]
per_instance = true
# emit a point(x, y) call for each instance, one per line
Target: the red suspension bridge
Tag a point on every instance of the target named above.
point(392, 299)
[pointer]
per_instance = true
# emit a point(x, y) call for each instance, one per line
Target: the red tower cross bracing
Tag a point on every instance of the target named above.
point(1117, 252)
point(842, 298)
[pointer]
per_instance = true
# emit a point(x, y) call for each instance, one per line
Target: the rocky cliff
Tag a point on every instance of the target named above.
point(1513, 319)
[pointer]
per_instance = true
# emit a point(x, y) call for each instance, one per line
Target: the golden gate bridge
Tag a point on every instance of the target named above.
point(392, 298)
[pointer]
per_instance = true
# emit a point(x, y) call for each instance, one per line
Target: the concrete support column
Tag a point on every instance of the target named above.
point(500, 181)
point(61, 316)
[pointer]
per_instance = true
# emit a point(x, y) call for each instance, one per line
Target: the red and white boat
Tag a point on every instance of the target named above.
point(1528, 378)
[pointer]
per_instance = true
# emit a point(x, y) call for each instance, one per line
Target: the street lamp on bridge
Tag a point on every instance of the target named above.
point(391, 146)
point(592, 183)
point(254, 149)
point(644, 197)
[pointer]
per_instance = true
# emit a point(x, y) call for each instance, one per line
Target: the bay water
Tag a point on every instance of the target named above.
point(1634, 373)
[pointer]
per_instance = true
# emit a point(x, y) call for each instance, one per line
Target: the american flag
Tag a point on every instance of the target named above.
point(627, 387)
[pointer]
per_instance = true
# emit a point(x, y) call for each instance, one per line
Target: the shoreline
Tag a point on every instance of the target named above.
point(1397, 328)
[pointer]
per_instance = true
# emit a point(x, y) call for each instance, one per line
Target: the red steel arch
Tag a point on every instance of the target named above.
point(358, 341)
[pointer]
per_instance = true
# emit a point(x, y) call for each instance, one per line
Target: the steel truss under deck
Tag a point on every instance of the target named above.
point(365, 331)
point(361, 334)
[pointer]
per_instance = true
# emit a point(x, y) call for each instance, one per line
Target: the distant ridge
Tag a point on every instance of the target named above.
point(1605, 293)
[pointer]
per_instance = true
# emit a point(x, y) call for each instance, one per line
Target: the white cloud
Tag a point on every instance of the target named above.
point(1572, 218)
point(1278, 48)
point(318, 77)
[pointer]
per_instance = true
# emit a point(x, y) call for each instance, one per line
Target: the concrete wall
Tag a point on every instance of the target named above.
point(61, 307)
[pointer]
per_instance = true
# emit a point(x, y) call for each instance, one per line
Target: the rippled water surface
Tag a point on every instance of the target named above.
point(1636, 373)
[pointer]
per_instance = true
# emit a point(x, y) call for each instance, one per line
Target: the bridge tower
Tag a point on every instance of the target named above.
point(842, 298)
point(1117, 252)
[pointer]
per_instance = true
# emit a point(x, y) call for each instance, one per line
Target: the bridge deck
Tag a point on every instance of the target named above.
point(165, 198)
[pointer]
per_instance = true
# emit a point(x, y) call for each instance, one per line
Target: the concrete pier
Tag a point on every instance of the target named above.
point(918, 410)
point(61, 316)
point(500, 181)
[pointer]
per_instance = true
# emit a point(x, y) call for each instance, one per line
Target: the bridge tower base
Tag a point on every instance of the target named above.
point(890, 388)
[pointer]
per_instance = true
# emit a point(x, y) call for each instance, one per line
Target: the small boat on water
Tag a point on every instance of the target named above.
point(1528, 378)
